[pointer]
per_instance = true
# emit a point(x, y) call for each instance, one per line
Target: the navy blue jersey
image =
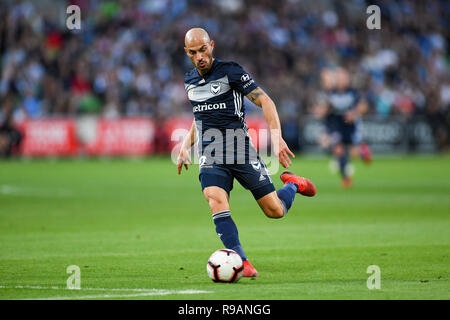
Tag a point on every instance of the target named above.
point(217, 99)
point(342, 101)
point(339, 103)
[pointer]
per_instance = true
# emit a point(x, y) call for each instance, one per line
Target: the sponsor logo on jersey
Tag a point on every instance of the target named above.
point(248, 84)
point(245, 77)
point(202, 161)
point(209, 106)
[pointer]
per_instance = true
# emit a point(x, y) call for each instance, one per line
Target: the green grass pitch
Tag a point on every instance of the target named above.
point(137, 230)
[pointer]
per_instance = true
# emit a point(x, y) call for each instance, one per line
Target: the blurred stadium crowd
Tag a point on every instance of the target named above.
point(128, 58)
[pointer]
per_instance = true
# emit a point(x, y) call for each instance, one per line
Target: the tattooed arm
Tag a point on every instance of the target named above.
point(260, 98)
point(255, 96)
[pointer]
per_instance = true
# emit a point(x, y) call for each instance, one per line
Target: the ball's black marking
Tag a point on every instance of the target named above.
point(236, 272)
point(216, 271)
point(227, 251)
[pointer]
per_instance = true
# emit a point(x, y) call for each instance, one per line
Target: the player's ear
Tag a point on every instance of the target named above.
point(212, 45)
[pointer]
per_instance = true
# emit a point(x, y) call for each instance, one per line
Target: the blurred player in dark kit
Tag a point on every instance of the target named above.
point(341, 107)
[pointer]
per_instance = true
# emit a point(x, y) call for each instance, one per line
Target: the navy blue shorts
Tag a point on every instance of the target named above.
point(342, 132)
point(252, 176)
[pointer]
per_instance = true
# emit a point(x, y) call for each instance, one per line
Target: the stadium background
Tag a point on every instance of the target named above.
point(137, 230)
point(127, 61)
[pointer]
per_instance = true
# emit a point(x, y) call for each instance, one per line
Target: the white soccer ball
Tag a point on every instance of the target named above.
point(225, 265)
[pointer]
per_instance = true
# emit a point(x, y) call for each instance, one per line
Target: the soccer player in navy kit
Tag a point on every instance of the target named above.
point(341, 107)
point(216, 90)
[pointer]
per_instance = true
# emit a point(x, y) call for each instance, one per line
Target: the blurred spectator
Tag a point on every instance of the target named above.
point(10, 137)
point(128, 58)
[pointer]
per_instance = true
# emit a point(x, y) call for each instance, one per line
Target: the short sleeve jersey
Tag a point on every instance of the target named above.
point(217, 97)
point(342, 101)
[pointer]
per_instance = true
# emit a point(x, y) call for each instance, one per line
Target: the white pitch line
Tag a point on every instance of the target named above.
point(139, 292)
point(33, 192)
point(144, 294)
point(82, 289)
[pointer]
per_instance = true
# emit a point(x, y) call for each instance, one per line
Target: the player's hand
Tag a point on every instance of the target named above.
point(184, 158)
point(282, 151)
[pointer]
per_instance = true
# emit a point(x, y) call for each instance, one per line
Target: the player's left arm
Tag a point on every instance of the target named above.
point(360, 109)
point(260, 98)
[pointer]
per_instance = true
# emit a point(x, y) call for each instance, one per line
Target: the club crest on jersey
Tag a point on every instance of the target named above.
point(215, 87)
point(256, 165)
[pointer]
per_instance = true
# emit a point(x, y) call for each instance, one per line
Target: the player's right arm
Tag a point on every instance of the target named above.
point(356, 112)
point(184, 157)
point(320, 109)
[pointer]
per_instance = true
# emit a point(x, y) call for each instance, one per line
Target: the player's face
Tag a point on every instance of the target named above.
point(343, 79)
point(328, 79)
point(201, 55)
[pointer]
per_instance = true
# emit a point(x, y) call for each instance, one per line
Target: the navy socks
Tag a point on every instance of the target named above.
point(226, 228)
point(343, 159)
point(287, 195)
point(227, 231)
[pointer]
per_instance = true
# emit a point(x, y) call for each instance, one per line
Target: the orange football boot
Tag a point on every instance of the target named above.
point(249, 270)
point(365, 152)
point(347, 182)
point(305, 186)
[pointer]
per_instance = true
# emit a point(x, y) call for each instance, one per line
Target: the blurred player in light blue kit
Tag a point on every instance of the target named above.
point(341, 107)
